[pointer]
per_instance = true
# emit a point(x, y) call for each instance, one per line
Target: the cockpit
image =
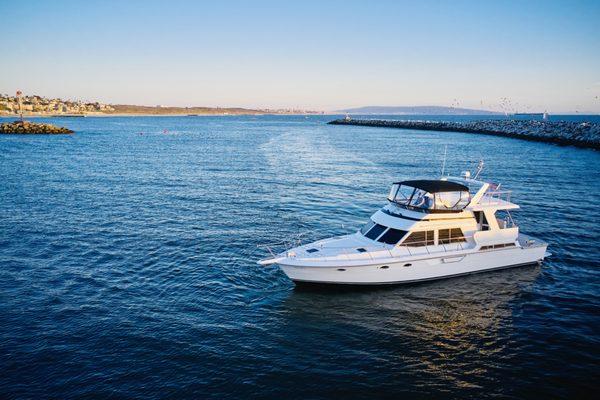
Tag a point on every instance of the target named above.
point(432, 196)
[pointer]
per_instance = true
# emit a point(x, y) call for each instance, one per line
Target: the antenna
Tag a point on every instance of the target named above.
point(479, 168)
point(444, 161)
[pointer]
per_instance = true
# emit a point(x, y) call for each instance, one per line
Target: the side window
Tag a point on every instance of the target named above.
point(444, 236)
point(482, 220)
point(366, 227)
point(422, 238)
point(392, 236)
point(454, 235)
point(430, 238)
point(485, 226)
point(504, 219)
point(375, 231)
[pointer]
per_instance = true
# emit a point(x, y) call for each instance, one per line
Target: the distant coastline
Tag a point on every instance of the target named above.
point(38, 106)
point(109, 115)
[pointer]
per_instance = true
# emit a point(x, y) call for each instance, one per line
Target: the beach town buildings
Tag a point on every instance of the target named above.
point(38, 105)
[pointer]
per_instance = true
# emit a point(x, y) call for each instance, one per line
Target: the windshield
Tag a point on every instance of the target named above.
point(420, 199)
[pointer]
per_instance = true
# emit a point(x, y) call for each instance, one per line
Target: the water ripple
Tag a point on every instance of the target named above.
point(128, 266)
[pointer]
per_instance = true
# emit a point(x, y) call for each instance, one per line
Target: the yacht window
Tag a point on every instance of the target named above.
point(422, 238)
point(367, 227)
point(444, 236)
point(454, 235)
point(392, 236)
point(504, 219)
point(451, 200)
point(375, 231)
point(311, 250)
point(482, 220)
point(393, 191)
point(402, 194)
point(421, 199)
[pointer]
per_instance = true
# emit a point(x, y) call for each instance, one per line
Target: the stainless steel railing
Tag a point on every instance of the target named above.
point(412, 248)
point(491, 197)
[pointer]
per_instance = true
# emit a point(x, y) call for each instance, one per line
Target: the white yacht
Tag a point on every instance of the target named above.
point(429, 229)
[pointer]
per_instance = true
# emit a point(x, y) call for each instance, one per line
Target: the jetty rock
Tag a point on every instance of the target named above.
point(580, 134)
point(32, 128)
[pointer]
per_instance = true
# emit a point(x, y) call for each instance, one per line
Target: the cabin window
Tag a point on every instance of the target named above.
point(392, 236)
point(422, 238)
point(447, 236)
point(482, 220)
point(401, 194)
point(366, 227)
point(375, 231)
point(421, 199)
point(312, 250)
point(393, 191)
point(504, 219)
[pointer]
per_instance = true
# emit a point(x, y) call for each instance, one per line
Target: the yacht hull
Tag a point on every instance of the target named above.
point(410, 270)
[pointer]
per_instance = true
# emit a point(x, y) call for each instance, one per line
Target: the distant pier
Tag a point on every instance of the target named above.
point(580, 134)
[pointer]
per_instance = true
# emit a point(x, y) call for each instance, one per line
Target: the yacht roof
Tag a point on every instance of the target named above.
point(435, 186)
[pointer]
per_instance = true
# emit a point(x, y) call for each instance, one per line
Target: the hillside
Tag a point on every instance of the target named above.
point(157, 110)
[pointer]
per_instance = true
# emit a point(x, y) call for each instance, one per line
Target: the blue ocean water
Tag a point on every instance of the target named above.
point(128, 266)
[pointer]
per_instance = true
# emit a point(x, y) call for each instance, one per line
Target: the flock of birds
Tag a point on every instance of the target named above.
point(507, 106)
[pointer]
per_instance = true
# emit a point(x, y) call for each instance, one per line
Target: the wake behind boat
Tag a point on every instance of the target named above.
point(430, 229)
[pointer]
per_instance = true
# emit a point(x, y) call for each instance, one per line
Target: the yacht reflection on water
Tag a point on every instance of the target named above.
point(450, 328)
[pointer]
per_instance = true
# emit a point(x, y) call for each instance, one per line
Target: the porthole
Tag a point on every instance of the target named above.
point(408, 265)
point(341, 269)
point(384, 267)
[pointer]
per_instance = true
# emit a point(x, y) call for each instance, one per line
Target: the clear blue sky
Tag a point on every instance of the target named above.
point(324, 54)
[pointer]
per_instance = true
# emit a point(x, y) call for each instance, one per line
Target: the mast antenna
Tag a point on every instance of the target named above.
point(444, 161)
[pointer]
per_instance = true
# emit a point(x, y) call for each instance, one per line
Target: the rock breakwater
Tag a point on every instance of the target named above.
point(581, 134)
point(32, 128)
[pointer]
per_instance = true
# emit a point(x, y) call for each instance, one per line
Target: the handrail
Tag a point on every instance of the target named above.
point(507, 221)
point(351, 250)
point(491, 197)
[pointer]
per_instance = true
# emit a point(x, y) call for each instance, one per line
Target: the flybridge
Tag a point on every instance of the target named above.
point(431, 196)
point(449, 195)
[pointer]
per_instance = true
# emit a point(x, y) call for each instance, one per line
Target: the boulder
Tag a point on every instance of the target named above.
point(26, 127)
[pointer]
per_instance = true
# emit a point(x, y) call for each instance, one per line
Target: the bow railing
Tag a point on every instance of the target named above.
point(371, 251)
